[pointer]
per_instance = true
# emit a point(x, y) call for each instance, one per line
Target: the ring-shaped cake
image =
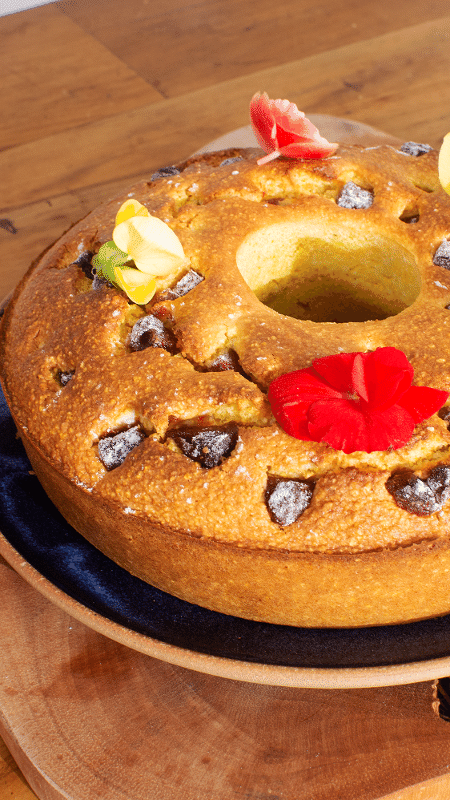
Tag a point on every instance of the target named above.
point(150, 426)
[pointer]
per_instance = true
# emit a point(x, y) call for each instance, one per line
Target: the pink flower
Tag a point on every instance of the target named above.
point(283, 130)
point(354, 401)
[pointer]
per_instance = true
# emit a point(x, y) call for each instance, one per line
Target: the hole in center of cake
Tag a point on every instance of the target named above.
point(341, 274)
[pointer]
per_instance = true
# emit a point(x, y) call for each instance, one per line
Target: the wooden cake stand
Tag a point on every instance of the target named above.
point(87, 718)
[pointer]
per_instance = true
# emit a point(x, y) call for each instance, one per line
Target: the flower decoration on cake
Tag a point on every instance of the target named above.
point(282, 130)
point(354, 401)
point(444, 164)
point(143, 248)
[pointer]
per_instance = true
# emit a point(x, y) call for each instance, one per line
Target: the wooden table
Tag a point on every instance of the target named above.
point(98, 92)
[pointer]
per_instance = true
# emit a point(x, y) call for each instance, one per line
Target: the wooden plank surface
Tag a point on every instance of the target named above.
point(83, 80)
point(207, 42)
point(345, 82)
point(98, 92)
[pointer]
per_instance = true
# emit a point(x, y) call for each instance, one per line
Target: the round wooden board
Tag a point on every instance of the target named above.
point(87, 718)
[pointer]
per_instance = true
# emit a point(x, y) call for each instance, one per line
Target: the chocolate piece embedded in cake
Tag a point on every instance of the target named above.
point(149, 331)
point(354, 196)
point(442, 255)
point(415, 148)
point(287, 499)
point(208, 445)
point(113, 450)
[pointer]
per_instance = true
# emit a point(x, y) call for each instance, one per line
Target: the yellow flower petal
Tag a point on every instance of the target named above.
point(153, 246)
point(139, 287)
point(444, 164)
point(131, 208)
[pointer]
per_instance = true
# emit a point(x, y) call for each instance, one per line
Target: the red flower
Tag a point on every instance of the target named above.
point(354, 401)
point(283, 130)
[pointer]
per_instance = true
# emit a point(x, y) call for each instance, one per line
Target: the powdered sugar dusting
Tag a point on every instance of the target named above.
point(113, 450)
point(288, 499)
point(354, 196)
point(442, 255)
point(421, 496)
point(415, 148)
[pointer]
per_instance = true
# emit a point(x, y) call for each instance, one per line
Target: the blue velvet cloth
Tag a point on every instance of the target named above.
point(34, 527)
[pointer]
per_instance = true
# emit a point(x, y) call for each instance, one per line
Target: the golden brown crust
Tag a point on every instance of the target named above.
point(248, 231)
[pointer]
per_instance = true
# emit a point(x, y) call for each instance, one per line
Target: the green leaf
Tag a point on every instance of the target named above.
point(110, 252)
point(108, 257)
point(107, 272)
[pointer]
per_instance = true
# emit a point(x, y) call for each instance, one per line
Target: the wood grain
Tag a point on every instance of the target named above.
point(347, 82)
point(96, 94)
point(12, 784)
point(208, 42)
point(437, 789)
point(82, 712)
point(83, 80)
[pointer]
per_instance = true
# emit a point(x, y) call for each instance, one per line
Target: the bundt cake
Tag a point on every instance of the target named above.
point(170, 432)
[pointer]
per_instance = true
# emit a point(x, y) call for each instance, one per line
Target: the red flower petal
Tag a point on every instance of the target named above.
point(304, 385)
point(422, 402)
point(281, 129)
point(345, 427)
point(354, 401)
point(293, 419)
point(380, 376)
point(262, 120)
point(290, 121)
point(291, 395)
point(393, 427)
point(359, 377)
point(389, 375)
point(336, 370)
point(316, 149)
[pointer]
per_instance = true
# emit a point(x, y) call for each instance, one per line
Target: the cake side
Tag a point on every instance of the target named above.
point(288, 588)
